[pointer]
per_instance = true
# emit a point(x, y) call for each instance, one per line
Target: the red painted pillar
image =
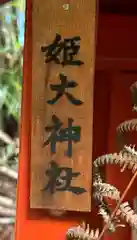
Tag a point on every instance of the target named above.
point(120, 110)
point(116, 48)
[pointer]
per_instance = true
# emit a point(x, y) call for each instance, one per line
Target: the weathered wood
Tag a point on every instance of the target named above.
point(50, 18)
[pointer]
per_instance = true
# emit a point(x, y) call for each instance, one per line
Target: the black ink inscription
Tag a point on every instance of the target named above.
point(63, 51)
point(61, 90)
point(58, 134)
point(60, 179)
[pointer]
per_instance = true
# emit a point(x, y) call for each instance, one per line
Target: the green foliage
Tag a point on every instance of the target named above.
point(10, 60)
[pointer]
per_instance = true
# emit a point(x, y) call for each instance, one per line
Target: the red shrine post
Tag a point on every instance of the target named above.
point(116, 70)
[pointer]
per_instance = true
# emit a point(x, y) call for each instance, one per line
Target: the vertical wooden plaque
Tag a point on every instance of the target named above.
point(59, 181)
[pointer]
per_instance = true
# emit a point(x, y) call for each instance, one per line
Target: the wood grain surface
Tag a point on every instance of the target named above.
point(50, 18)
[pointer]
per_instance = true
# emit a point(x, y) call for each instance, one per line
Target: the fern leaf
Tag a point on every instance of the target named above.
point(126, 212)
point(106, 159)
point(82, 232)
point(105, 212)
point(127, 126)
point(127, 158)
point(101, 190)
point(134, 95)
point(134, 108)
point(96, 175)
point(131, 150)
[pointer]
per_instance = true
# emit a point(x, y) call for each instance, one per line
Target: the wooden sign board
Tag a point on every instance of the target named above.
point(62, 104)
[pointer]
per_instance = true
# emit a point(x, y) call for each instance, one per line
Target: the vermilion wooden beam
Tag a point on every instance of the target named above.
point(117, 37)
point(116, 64)
point(122, 7)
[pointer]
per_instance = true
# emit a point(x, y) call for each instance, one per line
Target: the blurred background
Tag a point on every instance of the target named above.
point(12, 19)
